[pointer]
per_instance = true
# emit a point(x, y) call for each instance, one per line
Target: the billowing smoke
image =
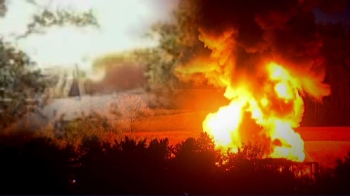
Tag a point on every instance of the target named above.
point(267, 55)
point(243, 36)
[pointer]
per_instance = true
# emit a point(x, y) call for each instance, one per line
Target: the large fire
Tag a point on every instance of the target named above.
point(267, 56)
point(270, 91)
point(278, 111)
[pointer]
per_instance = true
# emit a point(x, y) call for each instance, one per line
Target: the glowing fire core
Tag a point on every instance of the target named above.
point(277, 111)
point(265, 70)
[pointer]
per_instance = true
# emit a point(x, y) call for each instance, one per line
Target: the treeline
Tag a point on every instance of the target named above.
point(39, 165)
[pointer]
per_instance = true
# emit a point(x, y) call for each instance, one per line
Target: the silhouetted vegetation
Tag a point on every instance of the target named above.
point(39, 165)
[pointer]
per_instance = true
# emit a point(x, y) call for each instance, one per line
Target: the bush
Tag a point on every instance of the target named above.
point(342, 174)
point(127, 109)
point(33, 166)
point(39, 166)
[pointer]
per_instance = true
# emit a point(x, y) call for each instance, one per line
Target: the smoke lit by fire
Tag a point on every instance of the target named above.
point(266, 54)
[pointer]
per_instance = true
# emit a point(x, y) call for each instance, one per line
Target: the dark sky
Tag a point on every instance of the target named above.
point(343, 16)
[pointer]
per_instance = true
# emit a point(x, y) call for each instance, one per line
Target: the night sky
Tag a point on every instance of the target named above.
point(339, 16)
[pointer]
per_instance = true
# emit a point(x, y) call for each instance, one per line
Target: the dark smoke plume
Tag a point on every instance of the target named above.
point(244, 35)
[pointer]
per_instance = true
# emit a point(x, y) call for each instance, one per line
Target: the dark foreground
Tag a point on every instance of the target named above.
point(37, 165)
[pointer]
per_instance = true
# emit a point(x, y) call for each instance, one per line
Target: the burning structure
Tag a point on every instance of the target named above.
point(267, 57)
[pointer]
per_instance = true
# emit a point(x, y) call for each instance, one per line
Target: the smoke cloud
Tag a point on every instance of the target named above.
point(244, 36)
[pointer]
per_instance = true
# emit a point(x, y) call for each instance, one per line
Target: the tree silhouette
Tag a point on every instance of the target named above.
point(39, 166)
point(342, 174)
point(36, 165)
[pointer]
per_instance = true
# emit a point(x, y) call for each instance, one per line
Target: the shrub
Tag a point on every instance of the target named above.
point(93, 125)
point(127, 109)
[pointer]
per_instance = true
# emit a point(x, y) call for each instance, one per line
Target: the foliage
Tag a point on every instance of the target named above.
point(19, 84)
point(106, 126)
point(36, 165)
point(129, 108)
point(134, 166)
point(178, 41)
point(3, 8)
point(245, 158)
point(159, 69)
point(93, 125)
point(342, 172)
point(47, 17)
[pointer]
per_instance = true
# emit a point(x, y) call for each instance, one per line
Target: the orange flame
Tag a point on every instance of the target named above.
point(270, 92)
point(223, 126)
